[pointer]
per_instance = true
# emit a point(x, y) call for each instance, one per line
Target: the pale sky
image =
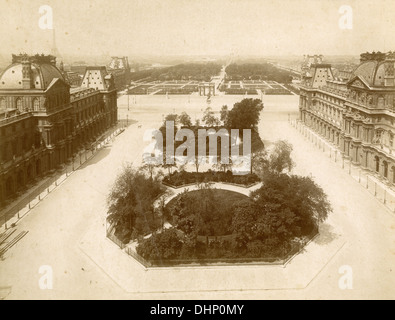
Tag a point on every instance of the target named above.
point(198, 27)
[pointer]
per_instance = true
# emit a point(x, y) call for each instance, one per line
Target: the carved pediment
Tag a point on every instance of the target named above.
point(358, 82)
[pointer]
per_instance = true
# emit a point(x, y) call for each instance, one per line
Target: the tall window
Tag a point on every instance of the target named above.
point(36, 104)
point(2, 104)
point(385, 164)
point(19, 104)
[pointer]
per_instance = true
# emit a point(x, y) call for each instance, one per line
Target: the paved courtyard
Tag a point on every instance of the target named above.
point(67, 230)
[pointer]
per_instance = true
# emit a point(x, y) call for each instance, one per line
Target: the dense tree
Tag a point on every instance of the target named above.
point(260, 163)
point(185, 119)
point(171, 117)
point(257, 71)
point(149, 167)
point(209, 119)
point(130, 204)
point(187, 71)
point(280, 157)
point(299, 200)
point(224, 113)
point(278, 160)
point(164, 245)
point(284, 208)
point(244, 114)
point(205, 211)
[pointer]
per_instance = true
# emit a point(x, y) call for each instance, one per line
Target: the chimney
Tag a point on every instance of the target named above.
point(27, 78)
point(109, 81)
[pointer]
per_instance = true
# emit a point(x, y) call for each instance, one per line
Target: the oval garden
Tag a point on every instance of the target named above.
point(208, 225)
point(213, 225)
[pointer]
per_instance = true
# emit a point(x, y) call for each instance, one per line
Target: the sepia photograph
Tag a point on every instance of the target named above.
point(216, 150)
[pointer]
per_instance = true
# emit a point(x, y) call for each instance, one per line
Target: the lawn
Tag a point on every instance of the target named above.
point(209, 212)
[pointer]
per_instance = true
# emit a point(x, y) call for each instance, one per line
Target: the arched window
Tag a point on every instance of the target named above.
point(385, 171)
point(36, 104)
point(377, 160)
point(19, 104)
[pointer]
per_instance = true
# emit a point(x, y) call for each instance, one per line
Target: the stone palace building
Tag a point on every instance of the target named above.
point(43, 122)
point(354, 110)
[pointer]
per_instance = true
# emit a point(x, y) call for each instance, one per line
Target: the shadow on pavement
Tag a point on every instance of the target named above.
point(326, 236)
point(100, 155)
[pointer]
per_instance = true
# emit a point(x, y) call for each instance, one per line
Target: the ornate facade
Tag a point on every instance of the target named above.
point(356, 114)
point(43, 122)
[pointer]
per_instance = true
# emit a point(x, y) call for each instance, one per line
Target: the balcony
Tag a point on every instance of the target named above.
point(14, 118)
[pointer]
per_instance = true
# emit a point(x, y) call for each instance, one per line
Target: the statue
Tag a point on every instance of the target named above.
point(363, 98)
point(370, 99)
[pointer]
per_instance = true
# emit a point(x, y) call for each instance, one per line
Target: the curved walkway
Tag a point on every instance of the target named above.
point(174, 192)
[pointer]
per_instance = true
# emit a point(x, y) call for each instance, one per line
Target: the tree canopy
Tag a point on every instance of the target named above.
point(209, 118)
point(256, 71)
point(277, 160)
point(294, 197)
point(244, 114)
point(130, 203)
point(185, 119)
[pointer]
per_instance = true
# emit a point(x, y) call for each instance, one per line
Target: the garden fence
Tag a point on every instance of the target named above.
point(268, 260)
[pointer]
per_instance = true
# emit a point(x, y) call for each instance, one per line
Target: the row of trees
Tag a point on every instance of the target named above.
point(185, 71)
point(257, 71)
point(188, 71)
point(244, 115)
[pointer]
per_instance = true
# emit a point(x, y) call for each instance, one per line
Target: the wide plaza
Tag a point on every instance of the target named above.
point(67, 229)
